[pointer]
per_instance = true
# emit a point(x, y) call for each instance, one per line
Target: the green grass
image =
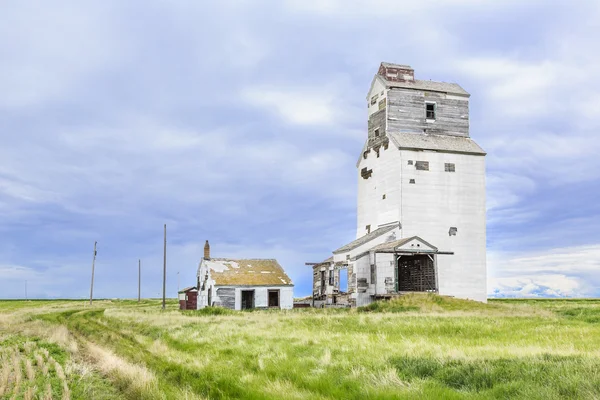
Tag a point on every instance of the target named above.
point(416, 346)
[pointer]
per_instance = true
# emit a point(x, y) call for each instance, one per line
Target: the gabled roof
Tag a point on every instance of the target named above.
point(397, 245)
point(424, 141)
point(417, 84)
point(247, 272)
point(365, 239)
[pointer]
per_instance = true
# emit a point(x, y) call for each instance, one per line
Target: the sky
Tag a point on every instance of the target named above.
point(241, 121)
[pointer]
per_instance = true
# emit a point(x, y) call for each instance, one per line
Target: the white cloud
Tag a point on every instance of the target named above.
point(298, 106)
point(570, 271)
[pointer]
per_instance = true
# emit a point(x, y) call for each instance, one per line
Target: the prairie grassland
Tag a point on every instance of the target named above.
point(419, 346)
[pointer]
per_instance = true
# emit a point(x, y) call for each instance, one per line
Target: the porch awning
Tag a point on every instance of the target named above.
point(411, 245)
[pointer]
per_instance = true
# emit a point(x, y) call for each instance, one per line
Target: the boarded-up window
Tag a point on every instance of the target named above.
point(449, 167)
point(373, 277)
point(362, 285)
point(422, 165)
point(381, 104)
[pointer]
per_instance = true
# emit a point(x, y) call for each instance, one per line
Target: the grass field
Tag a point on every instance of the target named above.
point(421, 346)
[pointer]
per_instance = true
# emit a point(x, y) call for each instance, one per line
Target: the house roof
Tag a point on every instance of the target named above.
point(430, 86)
point(365, 239)
point(247, 272)
point(187, 289)
point(424, 141)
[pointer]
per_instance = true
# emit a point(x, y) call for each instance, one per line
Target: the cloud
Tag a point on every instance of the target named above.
point(560, 272)
point(241, 122)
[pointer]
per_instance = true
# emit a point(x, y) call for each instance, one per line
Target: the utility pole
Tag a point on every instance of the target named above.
point(165, 270)
point(177, 281)
point(139, 280)
point(93, 265)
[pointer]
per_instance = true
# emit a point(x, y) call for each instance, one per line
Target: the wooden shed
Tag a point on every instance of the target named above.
point(188, 298)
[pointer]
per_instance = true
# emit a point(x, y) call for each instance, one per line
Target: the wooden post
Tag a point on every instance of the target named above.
point(139, 280)
point(93, 265)
point(164, 270)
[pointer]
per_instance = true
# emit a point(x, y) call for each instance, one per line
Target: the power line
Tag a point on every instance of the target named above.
point(93, 265)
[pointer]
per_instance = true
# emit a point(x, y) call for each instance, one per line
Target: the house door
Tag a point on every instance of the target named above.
point(274, 298)
point(247, 299)
point(415, 274)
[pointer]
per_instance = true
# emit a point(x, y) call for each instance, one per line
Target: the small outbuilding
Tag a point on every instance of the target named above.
point(241, 284)
point(188, 298)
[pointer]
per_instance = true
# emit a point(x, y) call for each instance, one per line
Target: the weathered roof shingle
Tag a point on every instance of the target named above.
point(365, 239)
point(250, 272)
point(423, 141)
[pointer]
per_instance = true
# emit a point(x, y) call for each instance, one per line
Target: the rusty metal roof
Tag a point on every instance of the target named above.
point(247, 272)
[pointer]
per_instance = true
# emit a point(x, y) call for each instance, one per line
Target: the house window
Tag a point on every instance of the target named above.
point(374, 99)
point(411, 181)
point(410, 162)
point(449, 167)
point(377, 132)
point(430, 109)
point(366, 173)
point(373, 273)
point(330, 277)
point(368, 228)
point(452, 231)
point(422, 165)
point(383, 197)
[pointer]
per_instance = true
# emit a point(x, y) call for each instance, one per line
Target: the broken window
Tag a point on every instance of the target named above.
point(368, 228)
point(330, 277)
point(449, 167)
point(453, 230)
point(366, 174)
point(383, 197)
point(430, 109)
point(376, 132)
point(422, 165)
point(374, 99)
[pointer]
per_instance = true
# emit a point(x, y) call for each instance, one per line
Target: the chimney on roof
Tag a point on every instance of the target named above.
point(206, 251)
point(396, 72)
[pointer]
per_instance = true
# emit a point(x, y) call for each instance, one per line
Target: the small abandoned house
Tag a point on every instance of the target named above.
point(242, 284)
point(421, 199)
point(188, 298)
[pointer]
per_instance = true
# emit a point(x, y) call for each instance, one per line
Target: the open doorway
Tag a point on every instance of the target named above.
point(416, 274)
point(247, 299)
point(274, 298)
point(343, 280)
